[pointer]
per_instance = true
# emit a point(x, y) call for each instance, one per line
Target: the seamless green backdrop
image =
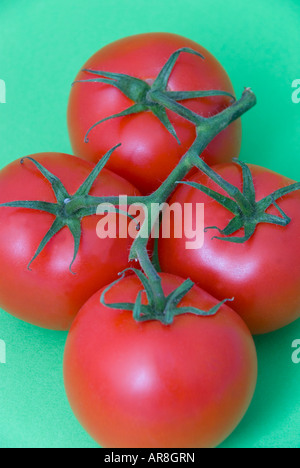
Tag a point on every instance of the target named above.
point(42, 45)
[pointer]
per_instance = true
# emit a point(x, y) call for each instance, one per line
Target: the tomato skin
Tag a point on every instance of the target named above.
point(263, 274)
point(50, 295)
point(148, 153)
point(148, 385)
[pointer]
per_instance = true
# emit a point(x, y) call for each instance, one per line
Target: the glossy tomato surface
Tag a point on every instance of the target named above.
point(148, 152)
point(49, 295)
point(263, 274)
point(134, 384)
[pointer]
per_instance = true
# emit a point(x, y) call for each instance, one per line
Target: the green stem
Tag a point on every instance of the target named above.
point(154, 278)
point(94, 202)
point(207, 130)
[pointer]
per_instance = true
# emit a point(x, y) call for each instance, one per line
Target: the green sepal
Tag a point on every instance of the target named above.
point(143, 313)
point(163, 77)
point(147, 285)
point(248, 212)
point(248, 183)
point(115, 305)
point(249, 230)
point(227, 202)
point(160, 112)
point(155, 98)
point(55, 228)
point(128, 306)
point(74, 226)
point(202, 313)
point(86, 187)
point(57, 187)
point(52, 208)
point(134, 88)
point(176, 296)
point(135, 109)
point(137, 309)
point(162, 98)
point(69, 209)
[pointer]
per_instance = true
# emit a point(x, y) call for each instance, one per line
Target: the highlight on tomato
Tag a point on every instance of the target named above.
point(51, 259)
point(135, 378)
point(251, 247)
point(136, 90)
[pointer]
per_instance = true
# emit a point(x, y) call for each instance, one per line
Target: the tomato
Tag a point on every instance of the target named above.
point(149, 152)
point(262, 274)
point(145, 384)
point(49, 295)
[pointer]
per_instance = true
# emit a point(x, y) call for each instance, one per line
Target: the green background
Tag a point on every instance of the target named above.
point(43, 45)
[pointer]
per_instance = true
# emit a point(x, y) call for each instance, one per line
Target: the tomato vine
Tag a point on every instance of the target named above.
point(70, 209)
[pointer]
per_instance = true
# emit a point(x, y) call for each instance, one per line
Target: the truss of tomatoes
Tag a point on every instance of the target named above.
point(160, 350)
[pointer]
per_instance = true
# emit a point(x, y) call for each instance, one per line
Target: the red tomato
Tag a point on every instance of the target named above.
point(148, 153)
point(50, 295)
point(263, 274)
point(150, 385)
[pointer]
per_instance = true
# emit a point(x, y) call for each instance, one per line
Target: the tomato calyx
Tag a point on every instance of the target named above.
point(154, 97)
point(69, 209)
point(163, 308)
point(248, 213)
